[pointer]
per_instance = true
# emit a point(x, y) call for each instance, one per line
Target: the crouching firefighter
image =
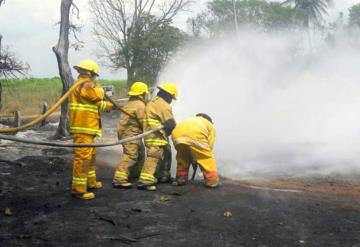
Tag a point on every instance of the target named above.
point(194, 142)
point(157, 112)
point(131, 124)
point(86, 101)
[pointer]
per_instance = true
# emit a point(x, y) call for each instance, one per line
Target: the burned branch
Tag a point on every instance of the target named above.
point(61, 51)
point(75, 10)
point(10, 66)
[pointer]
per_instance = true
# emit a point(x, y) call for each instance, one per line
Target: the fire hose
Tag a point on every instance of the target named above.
point(45, 115)
point(57, 144)
point(52, 110)
point(54, 144)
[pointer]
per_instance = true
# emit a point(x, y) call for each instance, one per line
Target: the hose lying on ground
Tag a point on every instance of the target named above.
point(57, 144)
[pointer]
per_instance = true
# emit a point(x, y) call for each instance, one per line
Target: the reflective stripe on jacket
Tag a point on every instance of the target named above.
point(195, 131)
point(156, 113)
point(86, 101)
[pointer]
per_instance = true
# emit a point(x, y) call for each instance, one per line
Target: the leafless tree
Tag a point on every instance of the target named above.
point(10, 66)
point(61, 51)
point(119, 27)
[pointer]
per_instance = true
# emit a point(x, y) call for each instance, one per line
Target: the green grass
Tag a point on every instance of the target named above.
point(28, 95)
point(120, 86)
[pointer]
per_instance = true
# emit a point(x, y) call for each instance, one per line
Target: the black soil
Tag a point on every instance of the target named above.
point(36, 190)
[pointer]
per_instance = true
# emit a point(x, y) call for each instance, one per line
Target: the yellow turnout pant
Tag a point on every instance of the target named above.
point(84, 171)
point(203, 157)
point(154, 155)
point(129, 158)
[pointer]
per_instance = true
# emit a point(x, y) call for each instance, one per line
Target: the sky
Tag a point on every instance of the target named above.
point(29, 28)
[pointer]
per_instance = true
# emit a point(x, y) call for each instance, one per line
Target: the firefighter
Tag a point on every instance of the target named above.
point(131, 124)
point(86, 101)
point(157, 112)
point(194, 142)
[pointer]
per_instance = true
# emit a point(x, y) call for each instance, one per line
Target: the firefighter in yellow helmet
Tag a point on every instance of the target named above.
point(86, 101)
point(131, 124)
point(157, 112)
point(194, 142)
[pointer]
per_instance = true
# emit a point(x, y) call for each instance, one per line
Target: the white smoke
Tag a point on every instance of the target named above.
point(276, 112)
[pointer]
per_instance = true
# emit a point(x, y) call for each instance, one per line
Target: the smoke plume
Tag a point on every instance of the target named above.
point(277, 111)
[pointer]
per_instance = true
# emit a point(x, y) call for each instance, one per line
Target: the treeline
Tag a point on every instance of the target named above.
point(222, 16)
point(143, 42)
point(141, 37)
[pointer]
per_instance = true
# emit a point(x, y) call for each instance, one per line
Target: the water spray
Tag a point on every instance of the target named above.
point(278, 110)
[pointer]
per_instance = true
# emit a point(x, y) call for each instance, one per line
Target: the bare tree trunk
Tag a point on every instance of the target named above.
point(61, 51)
point(130, 76)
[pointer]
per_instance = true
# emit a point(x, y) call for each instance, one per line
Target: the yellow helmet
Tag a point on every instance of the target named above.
point(138, 88)
point(88, 65)
point(170, 88)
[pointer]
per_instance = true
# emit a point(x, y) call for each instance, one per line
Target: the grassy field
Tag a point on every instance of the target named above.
point(28, 95)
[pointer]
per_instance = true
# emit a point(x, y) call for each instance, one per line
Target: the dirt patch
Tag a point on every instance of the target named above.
point(344, 190)
point(36, 190)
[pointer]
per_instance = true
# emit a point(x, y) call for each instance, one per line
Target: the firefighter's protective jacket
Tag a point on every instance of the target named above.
point(86, 103)
point(131, 123)
point(195, 131)
point(157, 112)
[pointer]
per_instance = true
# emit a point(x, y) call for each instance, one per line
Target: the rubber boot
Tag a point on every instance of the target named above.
point(85, 196)
point(148, 187)
point(179, 182)
point(212, 184)
point(97, 185)
point(165, 179)
point(122, 185)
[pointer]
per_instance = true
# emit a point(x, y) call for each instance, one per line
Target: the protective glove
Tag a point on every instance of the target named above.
point(169, 125)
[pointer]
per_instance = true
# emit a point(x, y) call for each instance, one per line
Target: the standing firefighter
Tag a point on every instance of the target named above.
point(86, 101)
point(131, 124)
point(157, 112)
point(194, 141)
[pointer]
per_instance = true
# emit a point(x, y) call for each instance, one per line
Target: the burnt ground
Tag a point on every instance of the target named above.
point(35, 186)
point(36, 190)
